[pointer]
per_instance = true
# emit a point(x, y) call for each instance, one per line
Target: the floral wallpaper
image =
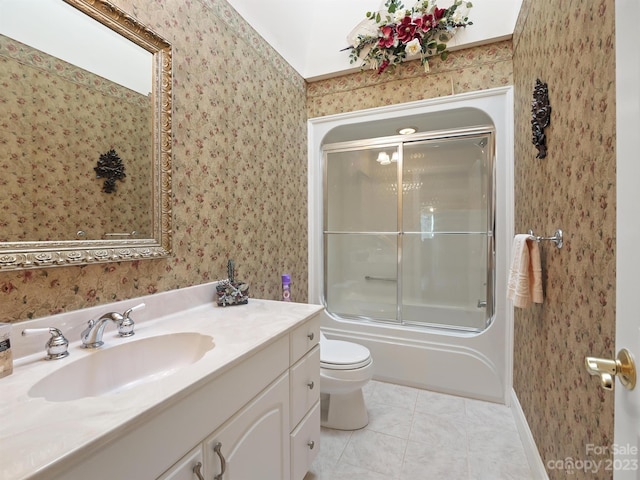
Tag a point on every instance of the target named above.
point(57, 121)
point(570, 46)
point(468, 70)
point(239, 172)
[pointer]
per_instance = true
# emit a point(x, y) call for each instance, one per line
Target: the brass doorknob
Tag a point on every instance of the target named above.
point(622, 367)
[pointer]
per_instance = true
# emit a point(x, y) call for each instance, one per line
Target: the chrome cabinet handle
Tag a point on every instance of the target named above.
point(197, 472)
point(311, 444)
point(223, 462)
point(310, 385)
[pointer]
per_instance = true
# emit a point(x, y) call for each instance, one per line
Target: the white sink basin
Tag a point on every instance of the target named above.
point(110, 370)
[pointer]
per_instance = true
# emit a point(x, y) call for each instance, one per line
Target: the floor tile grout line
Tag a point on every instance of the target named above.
point(467, 443)
point(406, 445)
point(350, 436)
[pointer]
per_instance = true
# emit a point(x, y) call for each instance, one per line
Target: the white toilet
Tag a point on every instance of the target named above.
point(345, 368)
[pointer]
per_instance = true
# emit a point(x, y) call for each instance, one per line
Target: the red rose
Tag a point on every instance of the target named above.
point(425, 23)
point(406, 30)
point(387, 39)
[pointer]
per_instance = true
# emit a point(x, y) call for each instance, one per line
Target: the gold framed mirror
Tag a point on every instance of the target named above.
point(66, 124)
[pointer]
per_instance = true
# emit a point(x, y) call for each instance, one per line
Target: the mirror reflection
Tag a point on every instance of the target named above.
point(84, 135)
point(67, 101)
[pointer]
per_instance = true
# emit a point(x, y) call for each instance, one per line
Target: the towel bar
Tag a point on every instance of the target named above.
point(557, 238)
point(382, 279)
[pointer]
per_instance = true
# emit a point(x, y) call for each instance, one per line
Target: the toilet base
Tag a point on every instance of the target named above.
point(345, 411)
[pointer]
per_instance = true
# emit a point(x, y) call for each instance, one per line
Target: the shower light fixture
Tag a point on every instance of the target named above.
point(407, 130)
point(383, 158)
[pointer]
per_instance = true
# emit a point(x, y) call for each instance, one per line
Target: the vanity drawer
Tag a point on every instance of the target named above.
point(304, 338)
point(305, 443)
point(305, 385)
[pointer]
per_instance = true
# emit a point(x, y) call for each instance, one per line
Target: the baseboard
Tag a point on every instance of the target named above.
point(533, 457)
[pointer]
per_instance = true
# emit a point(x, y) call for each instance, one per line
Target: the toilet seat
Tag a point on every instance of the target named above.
point(340, 355)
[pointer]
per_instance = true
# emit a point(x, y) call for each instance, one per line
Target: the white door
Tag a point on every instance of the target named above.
point(627, 402)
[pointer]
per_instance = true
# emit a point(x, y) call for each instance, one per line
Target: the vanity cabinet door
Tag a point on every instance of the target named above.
point(187, 468)
point(254, 443)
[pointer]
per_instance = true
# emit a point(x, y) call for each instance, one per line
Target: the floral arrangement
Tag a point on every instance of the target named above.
point(388, 37)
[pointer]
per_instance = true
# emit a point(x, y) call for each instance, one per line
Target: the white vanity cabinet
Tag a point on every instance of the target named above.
point(253, 443)
point(261, 409)
point(275, 436)
point(254, 391)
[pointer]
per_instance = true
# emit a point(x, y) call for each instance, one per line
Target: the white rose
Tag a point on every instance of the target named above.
point(399, 15)
point(413, 47)
point(366, 28)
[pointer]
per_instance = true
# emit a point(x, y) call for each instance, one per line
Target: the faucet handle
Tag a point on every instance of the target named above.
point(57, 344)
point(125, 327)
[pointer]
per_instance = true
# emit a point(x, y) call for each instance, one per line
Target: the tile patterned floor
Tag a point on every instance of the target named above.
point(415, 434)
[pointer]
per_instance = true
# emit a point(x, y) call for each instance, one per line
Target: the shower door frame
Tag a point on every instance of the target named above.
point(399, 141)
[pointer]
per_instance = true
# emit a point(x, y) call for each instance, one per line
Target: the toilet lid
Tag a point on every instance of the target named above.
point(339, 355)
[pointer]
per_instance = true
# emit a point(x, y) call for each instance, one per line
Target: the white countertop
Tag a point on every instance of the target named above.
point(36, 434)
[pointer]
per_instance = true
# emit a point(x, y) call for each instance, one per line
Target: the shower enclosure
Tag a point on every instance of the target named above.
point(409, 229)
point(405, 249)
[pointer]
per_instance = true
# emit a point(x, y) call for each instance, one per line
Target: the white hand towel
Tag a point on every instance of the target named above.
point(525, 274)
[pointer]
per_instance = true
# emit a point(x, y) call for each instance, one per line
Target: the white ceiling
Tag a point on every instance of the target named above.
point(309, 34)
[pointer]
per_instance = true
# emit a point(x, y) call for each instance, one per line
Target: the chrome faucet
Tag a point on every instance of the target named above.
point(92, 336)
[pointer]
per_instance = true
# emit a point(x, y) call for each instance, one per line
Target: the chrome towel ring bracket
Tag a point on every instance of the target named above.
point(557, 238)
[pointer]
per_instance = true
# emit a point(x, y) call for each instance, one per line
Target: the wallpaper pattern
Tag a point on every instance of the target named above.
point(466, 70)
point(571, 46)
point(57, 121)
point(239, 172)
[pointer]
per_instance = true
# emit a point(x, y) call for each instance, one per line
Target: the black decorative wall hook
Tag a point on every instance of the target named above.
point(540, 117)
point(111, 168)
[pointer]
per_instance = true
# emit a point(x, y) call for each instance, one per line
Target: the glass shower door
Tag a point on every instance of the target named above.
point(447, 232)
point(408, 231)
point(361, 233)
